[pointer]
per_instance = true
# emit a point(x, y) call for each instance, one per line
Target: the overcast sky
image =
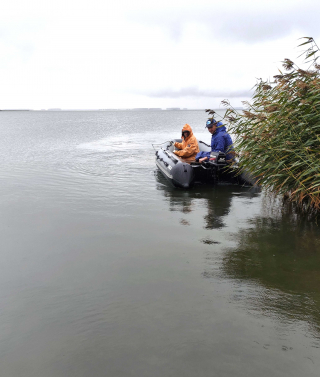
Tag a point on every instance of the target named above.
point(123, 54)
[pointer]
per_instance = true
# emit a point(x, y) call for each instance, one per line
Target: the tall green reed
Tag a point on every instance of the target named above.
point(278, 132)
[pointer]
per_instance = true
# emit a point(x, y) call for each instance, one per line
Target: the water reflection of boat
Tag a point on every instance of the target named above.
point(184, 174)
point(218, 200)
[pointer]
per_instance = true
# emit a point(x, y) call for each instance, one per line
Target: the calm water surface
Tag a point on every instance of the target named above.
point(106, 270)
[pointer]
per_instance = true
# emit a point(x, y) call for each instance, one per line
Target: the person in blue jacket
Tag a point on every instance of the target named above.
point(220, 141)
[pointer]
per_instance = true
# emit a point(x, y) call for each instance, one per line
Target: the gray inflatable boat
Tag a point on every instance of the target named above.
point(184, 175)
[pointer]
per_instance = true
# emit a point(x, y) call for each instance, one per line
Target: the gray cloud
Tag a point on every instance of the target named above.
point(196, 92)
point(249, 24)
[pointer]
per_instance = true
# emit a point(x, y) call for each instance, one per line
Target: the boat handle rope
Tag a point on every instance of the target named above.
point(157, 144)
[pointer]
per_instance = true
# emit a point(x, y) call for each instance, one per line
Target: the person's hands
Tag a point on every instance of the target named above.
point(203, 159)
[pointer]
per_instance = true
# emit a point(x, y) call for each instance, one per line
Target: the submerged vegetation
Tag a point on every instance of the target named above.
point(278, 132)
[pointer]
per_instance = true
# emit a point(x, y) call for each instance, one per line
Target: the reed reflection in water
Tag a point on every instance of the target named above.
point(281, 253)
point(273, 260)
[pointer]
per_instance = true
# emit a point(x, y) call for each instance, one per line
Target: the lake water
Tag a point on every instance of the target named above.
point(107, 270)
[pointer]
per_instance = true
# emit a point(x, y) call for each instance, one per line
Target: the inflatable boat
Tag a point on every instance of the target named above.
point(184, 174)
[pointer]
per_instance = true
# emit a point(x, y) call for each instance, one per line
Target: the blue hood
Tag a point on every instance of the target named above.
point(220, 128)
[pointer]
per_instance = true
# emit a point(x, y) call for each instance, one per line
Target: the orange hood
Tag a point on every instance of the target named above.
point(186, 127)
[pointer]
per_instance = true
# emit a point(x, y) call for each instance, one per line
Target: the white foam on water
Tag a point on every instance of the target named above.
point(134, 141)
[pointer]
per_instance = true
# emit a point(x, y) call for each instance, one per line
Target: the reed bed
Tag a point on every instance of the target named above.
point(278, 132)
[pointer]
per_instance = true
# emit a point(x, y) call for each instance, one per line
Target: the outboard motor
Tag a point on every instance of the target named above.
point(218, 158)
point(214, 166)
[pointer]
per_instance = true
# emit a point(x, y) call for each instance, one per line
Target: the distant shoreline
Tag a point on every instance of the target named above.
point(134, 109)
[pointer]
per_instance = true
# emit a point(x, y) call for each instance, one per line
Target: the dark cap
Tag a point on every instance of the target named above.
point(211, 122)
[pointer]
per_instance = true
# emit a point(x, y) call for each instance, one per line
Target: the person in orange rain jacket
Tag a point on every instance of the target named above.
point(189, 146)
